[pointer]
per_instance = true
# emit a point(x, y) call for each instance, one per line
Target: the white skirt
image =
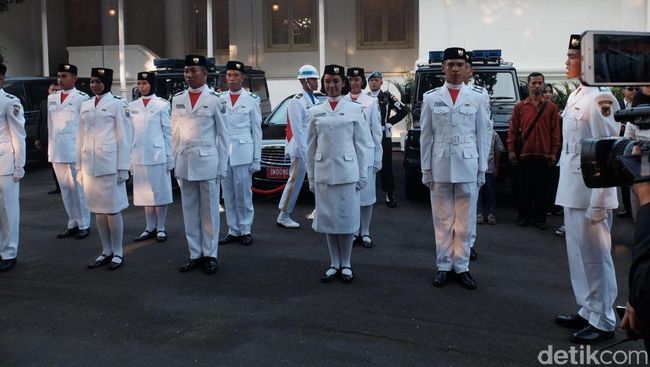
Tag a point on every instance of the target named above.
point(337, 209)
point(152, 185)
point(104, 195)
point(368, 193)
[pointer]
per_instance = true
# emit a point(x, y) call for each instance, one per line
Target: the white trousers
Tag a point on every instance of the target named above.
point(238, 199)
point(472, 218)
point(294, 184)
point(450, 206)
point(200, 202)
point(72, 193)
point(9, 217)
point(591, 267)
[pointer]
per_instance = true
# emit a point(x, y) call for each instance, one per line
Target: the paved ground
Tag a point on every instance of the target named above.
point(266, 305)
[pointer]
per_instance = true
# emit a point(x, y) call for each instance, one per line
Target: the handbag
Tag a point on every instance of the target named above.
point(520, 139)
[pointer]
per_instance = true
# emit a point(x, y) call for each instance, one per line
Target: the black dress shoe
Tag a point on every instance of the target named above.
point(57, 190)
point(366, 242)
point(6, 265)
point(623, 213)
point(100, 262)
point(440, 278)
point(246, 240)
point(114, 265)
point(229, 238)
point(210, 265)
point(390, 200)
point(590, 335)
point(69, 232)
point(191, 265)
point(356, 241)
point(466, 280)
point(145, 235)
point(345, 278)
point(328, 276)
point(574, 321)
point(472, 254)
point(82, 233)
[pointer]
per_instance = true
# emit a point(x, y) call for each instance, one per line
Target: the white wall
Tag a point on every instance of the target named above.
point(20, 36)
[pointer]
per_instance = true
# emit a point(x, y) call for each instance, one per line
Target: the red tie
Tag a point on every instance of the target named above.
point(333, 104)
point(97, 99)
point(63, 96)
point(146, 101)
point(233, 98)
point(453, 93)
point(194, 96)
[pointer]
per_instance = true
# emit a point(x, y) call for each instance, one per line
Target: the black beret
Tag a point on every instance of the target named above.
point(68, 68)
point(356, 72)
point(334, 70)
point(574, 42)
point(235, 65)
point(102, 73)
point(195, 60)
point(454, 53)
point(148, 76)
point(3, 69)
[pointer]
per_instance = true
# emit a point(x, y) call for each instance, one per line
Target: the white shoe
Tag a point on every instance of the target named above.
point(221, 209)
point(284, 220)
point(310, 216)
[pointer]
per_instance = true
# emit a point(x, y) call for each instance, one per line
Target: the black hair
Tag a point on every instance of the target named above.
point(535, 75)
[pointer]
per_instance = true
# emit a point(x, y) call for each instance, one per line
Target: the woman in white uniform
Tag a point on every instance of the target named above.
point(357, 81)
point(151, 157)
point(103, 160)
point(337, 144)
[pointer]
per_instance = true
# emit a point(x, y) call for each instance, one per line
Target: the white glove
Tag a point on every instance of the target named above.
point(389, 130)
point(122, 176)
point(312, 187)
point(480, 179)
point(596, 215)
point(427, 179)
point(18, 174)
point(255, 167)
point(361, 184)
point(377, 166)
point(169, 165)
point(79, 177)
point(221, 175)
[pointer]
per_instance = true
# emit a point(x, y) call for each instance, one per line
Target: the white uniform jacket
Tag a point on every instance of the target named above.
point(337, 143)
point(244, 121)
point(105, 136)
point(12, 134)
point(63, 125)
point(455, 138)
point(373, 117)
point(152, 131)
point(298, 116)
point(199, 136)
point(589, 114)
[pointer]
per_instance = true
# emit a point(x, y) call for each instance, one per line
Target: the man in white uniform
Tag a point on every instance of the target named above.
point(62, 126)
point(298, 120)
point(199, 145)
point(12, 161)
point(244, 120)
point(455, 143)
point(589, 114)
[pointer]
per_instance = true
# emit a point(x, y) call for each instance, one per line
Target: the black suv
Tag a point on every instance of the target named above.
point(497, 77)
point(31, 91)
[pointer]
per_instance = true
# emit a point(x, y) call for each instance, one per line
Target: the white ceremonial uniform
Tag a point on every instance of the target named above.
point(63, 127)
point(589, 114)
point(374, 153)
point(12, 162)
point(200, 156)
point(151, 156)
point(298, 115)
point(337, 144)
point(244, 120)
point(455, 144)
point(104, 148)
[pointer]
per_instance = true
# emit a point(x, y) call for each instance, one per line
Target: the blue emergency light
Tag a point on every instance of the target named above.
point(486, 55)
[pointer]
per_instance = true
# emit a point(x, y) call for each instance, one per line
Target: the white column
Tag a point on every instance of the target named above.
point(321, 36)
point(122, 53)
point(210, 42)
point(44, 41)
point(174, 29)
point(647, 16)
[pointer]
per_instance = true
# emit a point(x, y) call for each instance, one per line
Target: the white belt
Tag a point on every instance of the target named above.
point(456, 139)
point(197, 142)
point(571, 147)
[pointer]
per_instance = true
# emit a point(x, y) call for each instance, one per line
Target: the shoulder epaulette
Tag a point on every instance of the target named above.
point(431, 90)
point(83, 94)
point(603, 89)
point(163, 99)
point(298, 96)
point(478, 88)
point(179, 93)
point(215, 93)
point(11, 96)
point(117, 97)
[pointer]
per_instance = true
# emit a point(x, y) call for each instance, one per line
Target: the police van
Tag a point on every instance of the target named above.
point(499, 78)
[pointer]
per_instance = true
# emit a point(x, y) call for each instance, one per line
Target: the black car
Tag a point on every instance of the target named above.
point(275, 163)
point(500, 81)
point(31, 91)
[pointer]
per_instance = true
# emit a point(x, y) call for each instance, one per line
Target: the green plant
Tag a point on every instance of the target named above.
point(618, 93)
point(561, 94)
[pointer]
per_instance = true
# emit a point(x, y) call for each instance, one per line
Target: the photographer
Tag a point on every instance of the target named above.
point(633, 132)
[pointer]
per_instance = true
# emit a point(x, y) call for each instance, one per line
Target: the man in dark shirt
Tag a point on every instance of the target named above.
point(41, 131)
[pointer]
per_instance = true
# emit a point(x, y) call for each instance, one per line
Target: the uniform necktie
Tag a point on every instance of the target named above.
point(453, 93)
point(233, 99)
point(333, 104)
point(146, 101)
point(97, 99)
point(194, 96)
point(63, 96)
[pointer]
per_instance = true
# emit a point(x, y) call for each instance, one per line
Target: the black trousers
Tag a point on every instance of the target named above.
point(534, 189)
point(386, 172)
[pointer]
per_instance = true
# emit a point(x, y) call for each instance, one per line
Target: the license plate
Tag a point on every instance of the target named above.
point(277, 173)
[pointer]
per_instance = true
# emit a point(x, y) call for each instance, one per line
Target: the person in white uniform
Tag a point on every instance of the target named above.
point(357, 81)
point(12, 162)
point(200, 157)
point(337, 144)
point(63, 126)
point(297, 120)
point(589, 114)
point(151, 157)
point(244, 120)
point(103, 160)
point(455, 143)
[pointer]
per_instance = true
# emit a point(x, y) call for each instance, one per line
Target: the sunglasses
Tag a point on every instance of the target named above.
point(630, 89)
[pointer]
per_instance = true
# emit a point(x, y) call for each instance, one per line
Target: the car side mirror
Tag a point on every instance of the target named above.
point(406, 96)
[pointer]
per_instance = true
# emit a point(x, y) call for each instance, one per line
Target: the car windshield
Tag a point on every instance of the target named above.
point(499, 84)
point(279, 116)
